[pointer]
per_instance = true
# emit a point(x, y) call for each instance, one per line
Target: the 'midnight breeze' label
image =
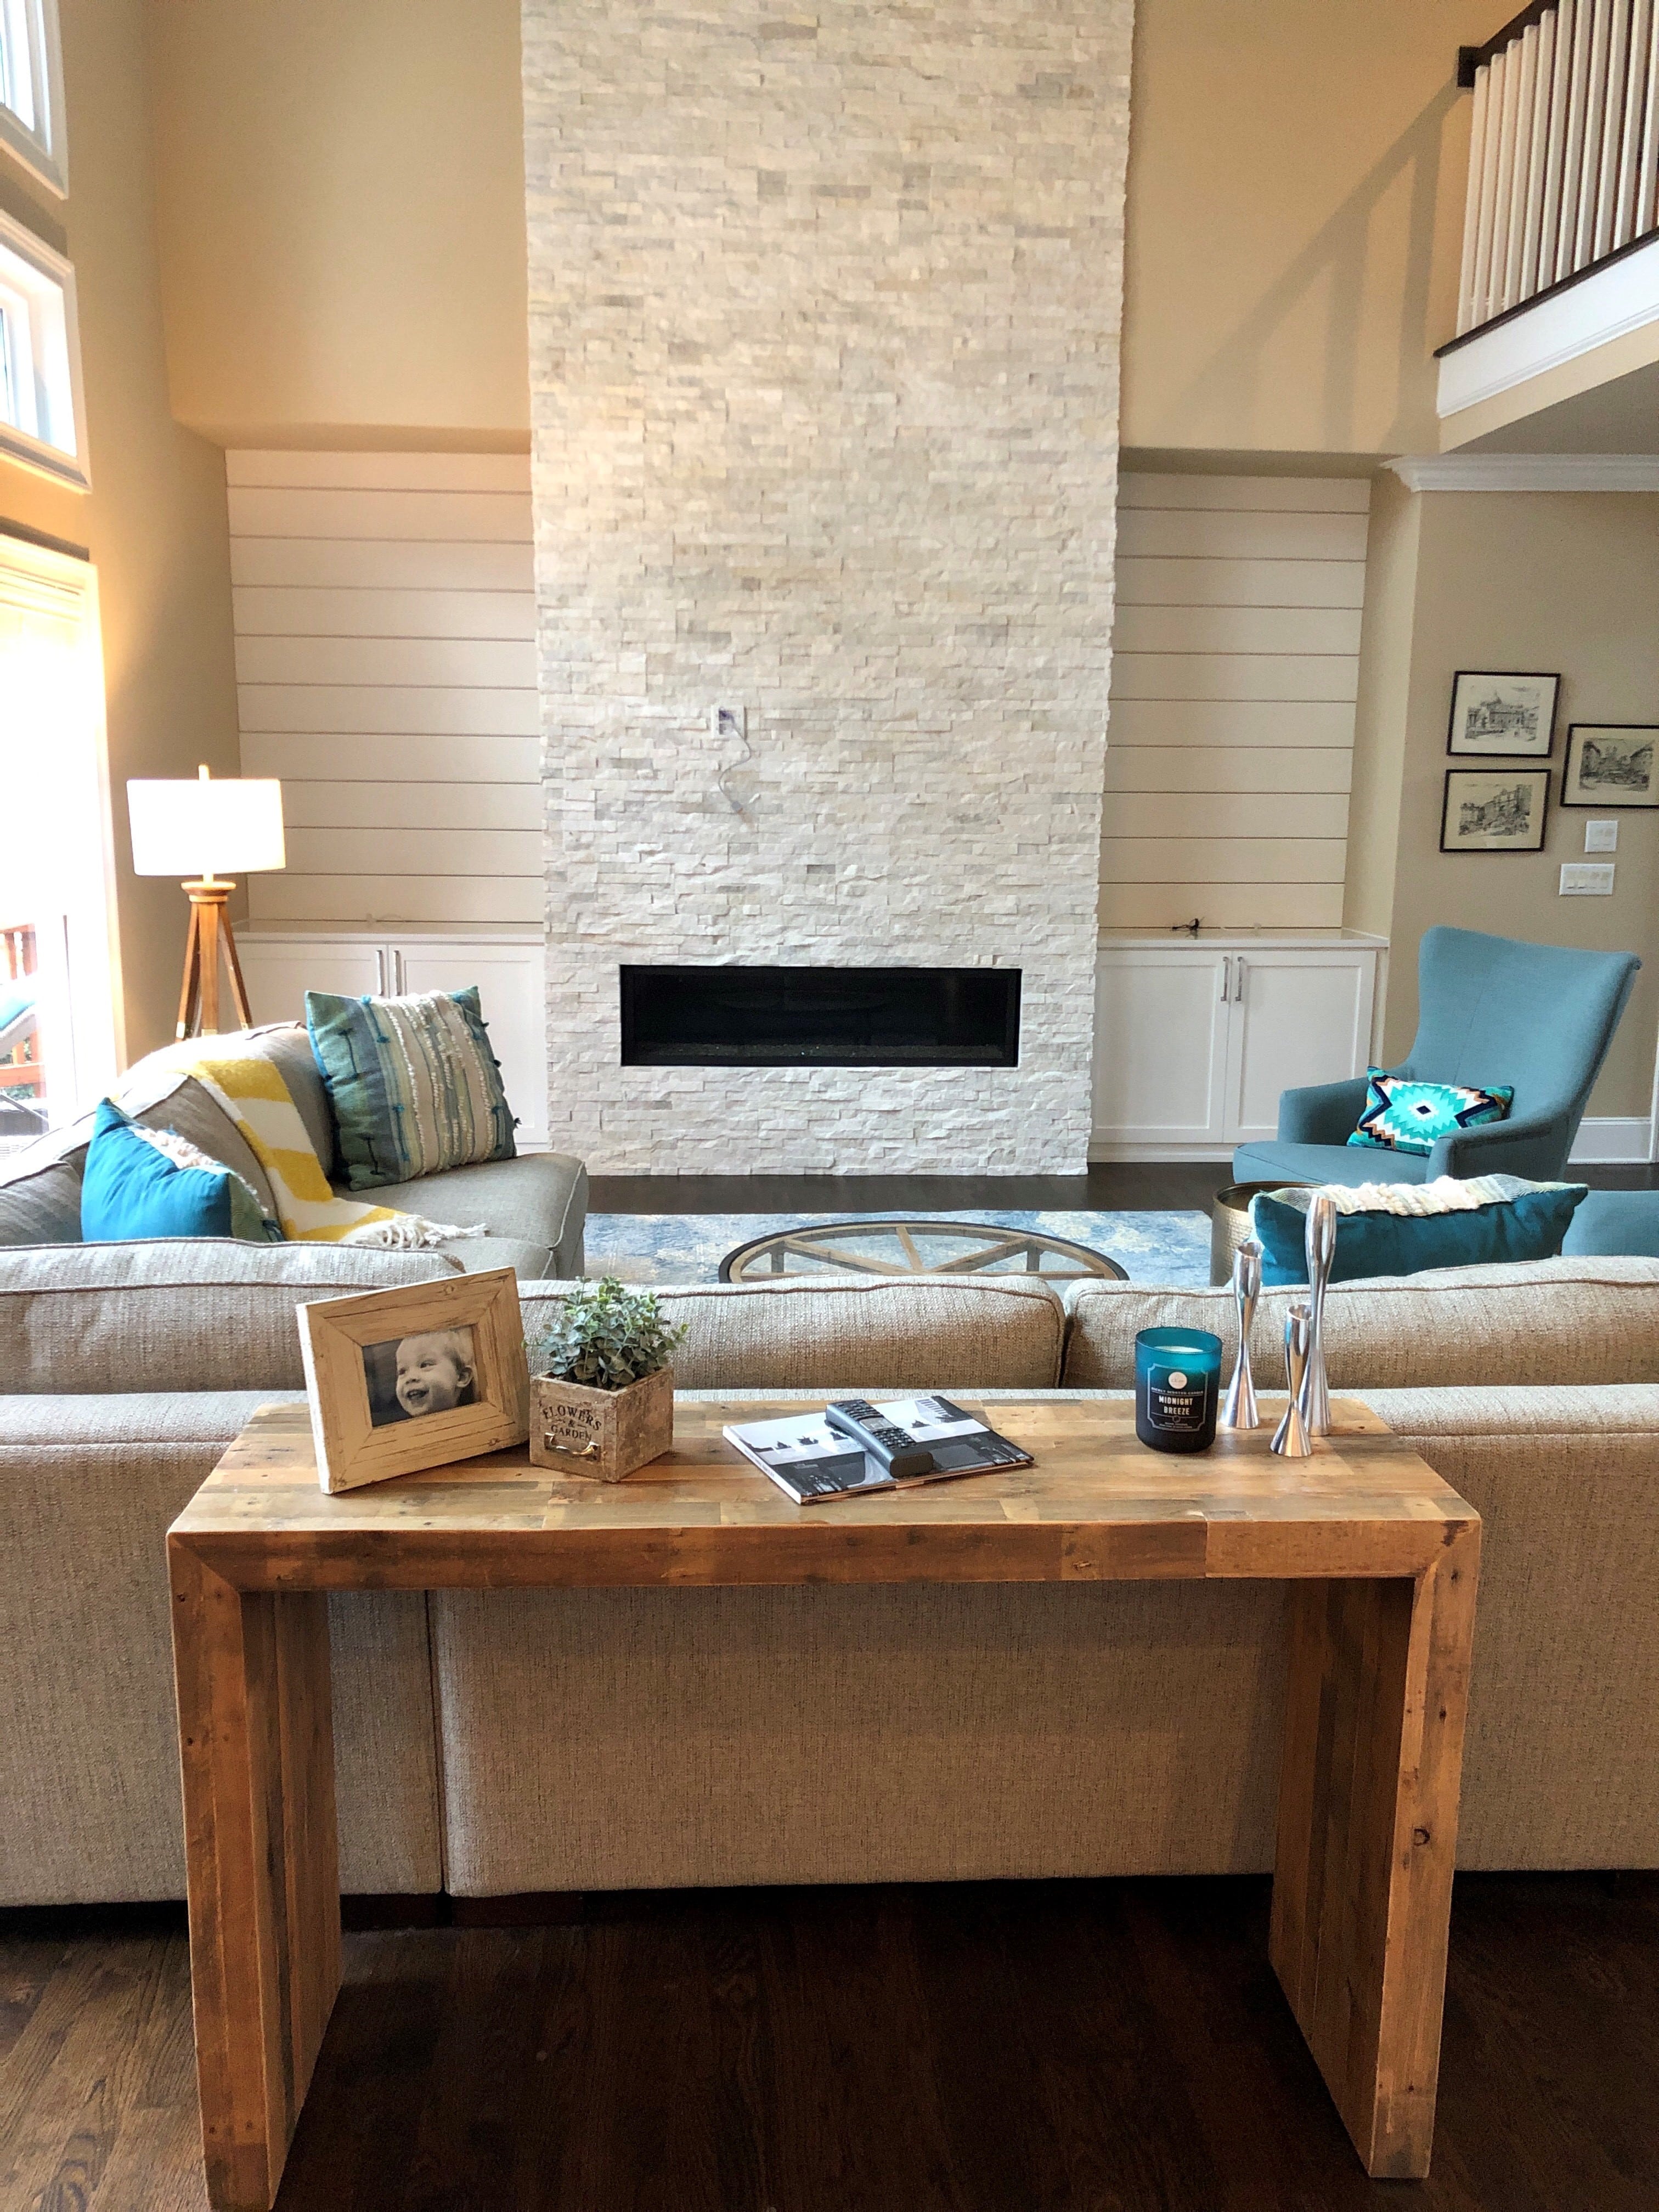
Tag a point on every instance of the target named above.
point(1172, 1400)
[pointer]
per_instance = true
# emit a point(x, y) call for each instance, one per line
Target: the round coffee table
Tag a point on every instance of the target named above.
point(915, 1247)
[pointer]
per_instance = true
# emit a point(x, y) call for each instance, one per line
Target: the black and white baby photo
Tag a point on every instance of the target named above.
point(426, 1372)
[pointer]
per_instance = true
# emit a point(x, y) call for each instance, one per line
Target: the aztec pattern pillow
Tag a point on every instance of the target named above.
point(414, 1086)
point(150, 1182)
point(1404, 1116)
point(1407, 1228)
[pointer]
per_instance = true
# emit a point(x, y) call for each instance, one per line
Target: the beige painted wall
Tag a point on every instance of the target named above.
point(1559, 582)
point(340, 197)
point(341, 205)
point(1297, 173)
point(154, 520)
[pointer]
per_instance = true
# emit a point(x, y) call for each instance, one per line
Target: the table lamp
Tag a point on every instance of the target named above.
point(199, 832)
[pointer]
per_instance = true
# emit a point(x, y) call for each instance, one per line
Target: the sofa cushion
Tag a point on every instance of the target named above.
point(41, 1194)
point(1550, 1320)
point(537, 1197)
point(414, 1088)
point(919, 1333)
point(177, 1314)
point(159, 1095)
point(140, 1182)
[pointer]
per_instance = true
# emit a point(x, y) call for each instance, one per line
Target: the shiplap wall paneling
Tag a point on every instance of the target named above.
point(385, 612)
point(1234, 674)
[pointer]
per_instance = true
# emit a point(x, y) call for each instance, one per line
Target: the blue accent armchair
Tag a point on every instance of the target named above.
point(1492, 1010)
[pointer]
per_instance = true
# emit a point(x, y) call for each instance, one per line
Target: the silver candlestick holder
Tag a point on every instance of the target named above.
point(1315, 1400)
point(1240, 1410)
point(1290, 1436)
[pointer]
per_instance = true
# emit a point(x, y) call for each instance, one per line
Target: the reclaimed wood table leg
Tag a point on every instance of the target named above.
point(1379, 1674)
point(257, 1753)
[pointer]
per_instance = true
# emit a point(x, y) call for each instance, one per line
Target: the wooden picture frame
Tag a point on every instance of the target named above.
point(416, 1377)
point(1622, 759)
point(1502, 715)
point(1511, 805)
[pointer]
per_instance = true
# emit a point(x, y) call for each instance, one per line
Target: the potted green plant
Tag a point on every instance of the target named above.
point(601, 1384)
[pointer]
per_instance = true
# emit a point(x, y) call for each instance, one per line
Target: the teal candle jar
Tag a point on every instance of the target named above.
point(1177, 1380)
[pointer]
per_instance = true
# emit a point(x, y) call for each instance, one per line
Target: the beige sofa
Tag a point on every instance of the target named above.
point(500, 1743)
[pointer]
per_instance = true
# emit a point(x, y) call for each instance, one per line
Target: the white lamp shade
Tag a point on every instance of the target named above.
point(219, 826)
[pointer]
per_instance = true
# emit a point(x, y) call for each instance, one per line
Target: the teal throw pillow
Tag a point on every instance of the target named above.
point(1404, 1116)
point(149, 1182)
point(1405, 1229)
point(414, 1087)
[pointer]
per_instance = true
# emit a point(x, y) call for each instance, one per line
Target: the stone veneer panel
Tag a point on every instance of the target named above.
point(823, 317)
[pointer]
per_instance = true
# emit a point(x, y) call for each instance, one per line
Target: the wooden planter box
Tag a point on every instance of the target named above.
point(605, 1434)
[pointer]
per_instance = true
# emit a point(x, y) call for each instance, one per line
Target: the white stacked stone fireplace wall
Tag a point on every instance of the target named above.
point(823, 310)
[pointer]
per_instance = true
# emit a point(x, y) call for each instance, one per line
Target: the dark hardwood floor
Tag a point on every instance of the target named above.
point(1117, 2046)
point(1157, 1186)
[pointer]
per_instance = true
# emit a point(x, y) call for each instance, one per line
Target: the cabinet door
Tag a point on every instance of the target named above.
point(1298, 1018)
point(513, 996)
point(1161, 1047)
point(279, 971)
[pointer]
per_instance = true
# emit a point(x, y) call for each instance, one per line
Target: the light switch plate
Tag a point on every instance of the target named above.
point(1601, 837)
point(1586, 879)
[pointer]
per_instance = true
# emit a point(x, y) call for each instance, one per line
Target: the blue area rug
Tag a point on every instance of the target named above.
point(1171, 1248)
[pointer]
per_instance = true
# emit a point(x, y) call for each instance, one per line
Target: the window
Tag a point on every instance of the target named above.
point(40, 417)
point(31, 89)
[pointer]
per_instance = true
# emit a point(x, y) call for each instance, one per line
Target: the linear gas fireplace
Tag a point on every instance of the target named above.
point(751, 1017)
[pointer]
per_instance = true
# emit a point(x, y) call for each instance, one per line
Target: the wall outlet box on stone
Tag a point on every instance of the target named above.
point(1601, 837)
point(1587, 878)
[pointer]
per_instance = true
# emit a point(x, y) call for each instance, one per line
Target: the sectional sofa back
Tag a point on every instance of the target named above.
point(1574, 1320)
point(176, 1313)
point(980, 1332)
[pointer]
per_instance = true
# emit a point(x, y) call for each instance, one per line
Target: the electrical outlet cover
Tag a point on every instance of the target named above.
point(1601, 837)
point(1587, 878)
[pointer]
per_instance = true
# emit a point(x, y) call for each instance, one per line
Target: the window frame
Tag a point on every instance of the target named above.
point(43, 147)
point(30, 272)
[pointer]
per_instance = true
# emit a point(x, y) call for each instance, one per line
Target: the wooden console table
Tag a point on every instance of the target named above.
point(1383, 1556)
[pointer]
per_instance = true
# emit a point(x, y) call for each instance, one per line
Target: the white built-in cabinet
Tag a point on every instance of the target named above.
point(1196, 1038)
point(281, 966)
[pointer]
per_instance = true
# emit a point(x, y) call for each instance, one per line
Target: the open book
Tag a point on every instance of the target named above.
point(808, 1461)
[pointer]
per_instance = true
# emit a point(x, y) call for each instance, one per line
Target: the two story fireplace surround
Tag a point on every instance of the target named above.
point(758, 1017)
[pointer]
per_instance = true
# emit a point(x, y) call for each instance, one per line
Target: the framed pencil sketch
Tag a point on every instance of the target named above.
point(1611, 765)
point(1503, 715)
point(402, 1380)
point(1494, 810)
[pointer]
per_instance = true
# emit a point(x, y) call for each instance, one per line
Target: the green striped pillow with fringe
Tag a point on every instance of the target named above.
point(414, 1086)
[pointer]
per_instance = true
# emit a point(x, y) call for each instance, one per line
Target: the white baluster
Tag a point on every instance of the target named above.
point(1468, 310)
point(1537, 151)
point(1613, 126)
point(1549, 227)
point(1515, 234)
point(1483, 305)
point(1503, 185)
point(1572, 157)
point(1647, 176)
point(1595, 130)
point(1630, 136)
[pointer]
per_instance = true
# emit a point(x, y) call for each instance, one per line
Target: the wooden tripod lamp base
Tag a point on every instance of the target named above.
point(209, 933)
point(194, 830)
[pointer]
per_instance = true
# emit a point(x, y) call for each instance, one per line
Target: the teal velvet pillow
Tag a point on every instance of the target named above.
point(1404, 1116)
point(147, 1182)
point(1403, 1229)
point(414, 1086)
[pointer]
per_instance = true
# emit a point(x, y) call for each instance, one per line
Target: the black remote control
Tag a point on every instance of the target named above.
point(891, 1447)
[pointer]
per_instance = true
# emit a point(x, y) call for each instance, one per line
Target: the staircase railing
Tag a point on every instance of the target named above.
point(1563, 158)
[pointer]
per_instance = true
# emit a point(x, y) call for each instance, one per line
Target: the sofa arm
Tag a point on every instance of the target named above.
point(1321, 1113)
point(1536, 1145)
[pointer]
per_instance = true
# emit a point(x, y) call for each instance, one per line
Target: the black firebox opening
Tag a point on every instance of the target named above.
point(722, 1016)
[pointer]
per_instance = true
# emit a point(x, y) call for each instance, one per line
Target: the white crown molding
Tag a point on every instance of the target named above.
point(1528, 471)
